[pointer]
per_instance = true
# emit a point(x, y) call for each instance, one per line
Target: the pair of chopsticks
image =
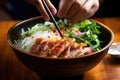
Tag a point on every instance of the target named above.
point(52, 18)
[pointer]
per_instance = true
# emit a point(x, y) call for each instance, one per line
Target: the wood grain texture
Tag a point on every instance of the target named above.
point(12, 69)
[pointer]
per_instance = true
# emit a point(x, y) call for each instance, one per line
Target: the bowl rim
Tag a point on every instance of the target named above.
point(38, 17)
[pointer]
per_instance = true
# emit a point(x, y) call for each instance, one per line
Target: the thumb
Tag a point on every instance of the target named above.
point(51, 7)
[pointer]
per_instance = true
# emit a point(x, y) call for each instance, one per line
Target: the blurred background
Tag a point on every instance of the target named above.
point(20, 10)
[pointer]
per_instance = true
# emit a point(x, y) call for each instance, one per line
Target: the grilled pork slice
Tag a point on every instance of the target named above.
point(65, 52)
point(35, 47)
point(76, 49)
point(64, 43)
point(63, 47)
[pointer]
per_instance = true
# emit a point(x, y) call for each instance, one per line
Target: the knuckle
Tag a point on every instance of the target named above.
point(85, 10)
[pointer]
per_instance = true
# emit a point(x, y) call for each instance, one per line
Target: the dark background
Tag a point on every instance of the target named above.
point(19, 9)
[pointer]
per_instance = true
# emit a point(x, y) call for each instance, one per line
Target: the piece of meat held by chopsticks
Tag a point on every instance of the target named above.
point(64, 47)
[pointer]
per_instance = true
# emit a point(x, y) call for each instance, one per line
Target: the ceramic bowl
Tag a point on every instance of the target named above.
point(63, 67)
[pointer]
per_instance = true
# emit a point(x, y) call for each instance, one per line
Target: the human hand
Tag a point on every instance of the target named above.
point(73, 10)
point(38, 4)
point(76, 10)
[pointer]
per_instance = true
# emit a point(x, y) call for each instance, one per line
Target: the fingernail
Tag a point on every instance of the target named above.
point(60, 14)
point(47, 18)
point(54, 11)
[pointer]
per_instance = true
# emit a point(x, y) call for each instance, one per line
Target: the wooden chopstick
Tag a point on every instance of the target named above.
point(52, 18)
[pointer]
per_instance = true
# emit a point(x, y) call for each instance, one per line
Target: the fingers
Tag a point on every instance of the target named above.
point(51, 7)
point(95, 7)
point(42, 10)
point(64, 6)
point(78, 9)
point(38, 4)
point(77, 17)
point(87, 10)
point(75, 8)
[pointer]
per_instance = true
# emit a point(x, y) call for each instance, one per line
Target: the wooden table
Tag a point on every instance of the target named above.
point(12, 69)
